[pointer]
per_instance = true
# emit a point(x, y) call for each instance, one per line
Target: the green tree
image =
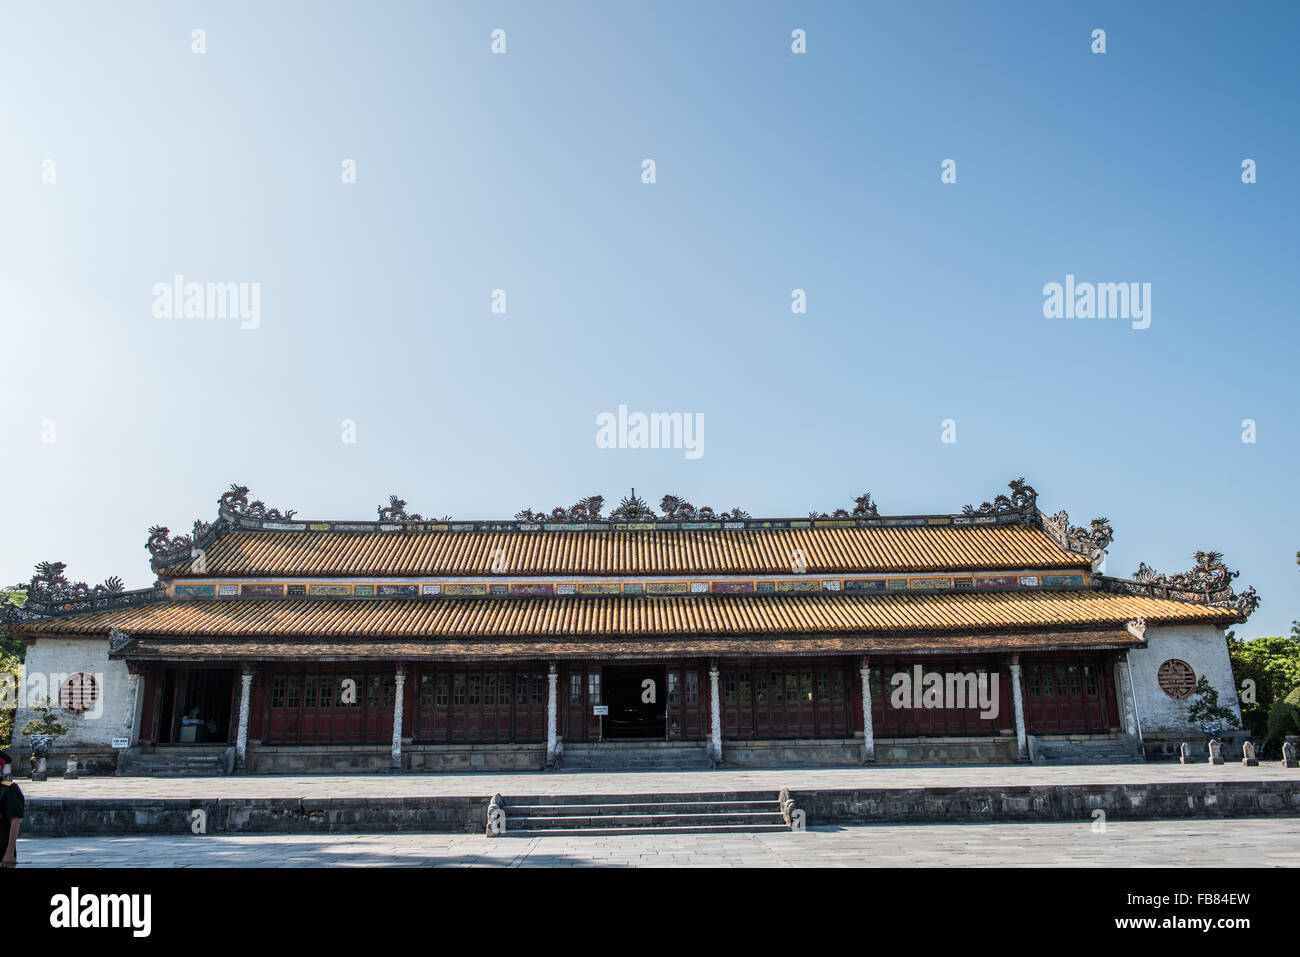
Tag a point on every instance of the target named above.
point(10, 646)
point(1284, 718)
point(11, 674)
point(46, 723)
point(1265, 669)
point(1204, 705)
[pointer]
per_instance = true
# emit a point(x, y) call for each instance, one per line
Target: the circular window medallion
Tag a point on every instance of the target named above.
point(1176, 677)
point(79, 693)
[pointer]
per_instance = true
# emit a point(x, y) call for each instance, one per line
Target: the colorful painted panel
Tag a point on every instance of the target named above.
point(732, 588)
point(864, 584)
point(1061, 581)
point(532, 589)
point(925, 584)
point(667, 588)
point(398, 591)
point(599, 588)
point(364, 590)
point(262, 591)
point(996, 581)
point(798, 586)
point(464, 591)
point(330, 591)
point(195, 591)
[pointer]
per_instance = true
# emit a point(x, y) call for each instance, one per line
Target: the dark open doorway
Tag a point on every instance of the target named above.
point(195, 705)
point(636, 696)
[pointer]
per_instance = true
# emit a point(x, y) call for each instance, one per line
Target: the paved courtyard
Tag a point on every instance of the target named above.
point(1243, 842)
point(627, 782)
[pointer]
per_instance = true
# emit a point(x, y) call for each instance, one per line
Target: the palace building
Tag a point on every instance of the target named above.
point(681, 637)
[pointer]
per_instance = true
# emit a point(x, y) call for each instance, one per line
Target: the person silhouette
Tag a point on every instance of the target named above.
point(11, 811)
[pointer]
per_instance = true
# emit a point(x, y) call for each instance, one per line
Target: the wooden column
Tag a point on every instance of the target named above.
point(399, 702)
point(552, 713)
point(868, 732)
point(715, 714)
point(1018, 709)
point(241, 736)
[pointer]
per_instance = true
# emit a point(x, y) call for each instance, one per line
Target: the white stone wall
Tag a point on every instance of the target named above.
point(51, 660)
point(1201, 646)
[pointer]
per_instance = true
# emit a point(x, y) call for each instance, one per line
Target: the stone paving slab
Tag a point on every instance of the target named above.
point(541, 783)
point(1246, 842)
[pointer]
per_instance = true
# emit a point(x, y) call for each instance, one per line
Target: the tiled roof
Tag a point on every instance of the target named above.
point(226, 649)
point(697, 616)
point(748, 551)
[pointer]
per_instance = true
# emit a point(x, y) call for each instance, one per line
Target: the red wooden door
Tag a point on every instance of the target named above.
point(832, 710)
point(582, 694)
point(380, 700)
point(730, 709)
point(673, 728)
point(695, 703)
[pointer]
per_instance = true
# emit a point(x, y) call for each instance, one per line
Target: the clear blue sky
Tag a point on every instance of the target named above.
point(775, 171)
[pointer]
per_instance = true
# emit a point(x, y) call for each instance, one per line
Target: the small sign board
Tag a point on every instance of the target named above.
point(600, 710)
point(121, 742)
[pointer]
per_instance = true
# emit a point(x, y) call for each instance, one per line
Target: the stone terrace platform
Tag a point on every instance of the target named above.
point(485, 784)
point(457, 803)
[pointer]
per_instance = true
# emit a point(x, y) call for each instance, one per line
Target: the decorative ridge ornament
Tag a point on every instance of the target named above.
point(633, 509)
point(236, 503)
point(863, 507)
point(1091, 541)
point(117, 640)
point(1209, 583)
point(1137, 628)
point(679, 510)
point(1022, 498)
point(586, 510)
point(396, 511)
point(50, 593)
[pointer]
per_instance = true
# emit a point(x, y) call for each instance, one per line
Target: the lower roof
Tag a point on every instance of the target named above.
point(680, 617)
point(146, 649)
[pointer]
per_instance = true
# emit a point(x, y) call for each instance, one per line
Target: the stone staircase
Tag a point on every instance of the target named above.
point(607, 814)
point(635, 756)
point(188, 761)
point(1116, 749)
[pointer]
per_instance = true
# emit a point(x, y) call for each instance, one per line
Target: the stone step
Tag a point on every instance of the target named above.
point(649, 797)
point(605, 821)
point(652, 813)
point(686, 829)
point(661, 756)
point(642, 807)
point(606, 832)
